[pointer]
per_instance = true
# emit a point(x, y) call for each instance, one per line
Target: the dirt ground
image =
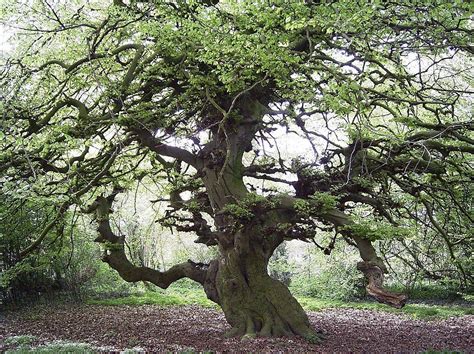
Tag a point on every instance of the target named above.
point(193, 328)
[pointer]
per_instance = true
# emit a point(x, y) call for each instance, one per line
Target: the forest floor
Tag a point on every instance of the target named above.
point(89, 328)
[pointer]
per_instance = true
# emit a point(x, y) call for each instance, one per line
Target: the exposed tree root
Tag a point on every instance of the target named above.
point(270, 327)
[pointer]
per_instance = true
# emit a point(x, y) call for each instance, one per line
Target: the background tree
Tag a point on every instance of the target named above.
point(205, 94)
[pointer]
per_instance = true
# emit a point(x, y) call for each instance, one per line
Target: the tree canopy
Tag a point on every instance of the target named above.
point(268, 120)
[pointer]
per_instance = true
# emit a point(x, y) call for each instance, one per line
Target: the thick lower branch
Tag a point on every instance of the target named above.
point(374, 274)
point(116, 257)
point(131, 273)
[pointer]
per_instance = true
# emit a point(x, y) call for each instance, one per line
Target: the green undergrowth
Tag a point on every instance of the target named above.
point(179, 296)
point(56, 347)
point(171, 297)
point(432, 292)
point(417, 311)
point(25, 344)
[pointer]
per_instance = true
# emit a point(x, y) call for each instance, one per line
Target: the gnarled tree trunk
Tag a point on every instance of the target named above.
point(374, 276)
point(373, 269)
point(252, 301)
point(371, 265)
point(238, 280)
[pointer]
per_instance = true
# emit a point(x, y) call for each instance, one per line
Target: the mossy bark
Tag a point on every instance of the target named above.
point(255, 304)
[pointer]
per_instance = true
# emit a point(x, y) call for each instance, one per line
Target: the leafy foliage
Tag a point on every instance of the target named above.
point(200, 98)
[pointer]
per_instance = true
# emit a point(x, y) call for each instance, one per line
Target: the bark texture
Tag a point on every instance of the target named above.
point(374, 275)
point(253, 302)
point(373, 269)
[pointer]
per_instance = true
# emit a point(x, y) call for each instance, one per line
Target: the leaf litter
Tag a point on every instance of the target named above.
point(194, 328)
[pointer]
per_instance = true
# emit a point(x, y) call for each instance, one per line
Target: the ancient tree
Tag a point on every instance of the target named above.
point(270, 121)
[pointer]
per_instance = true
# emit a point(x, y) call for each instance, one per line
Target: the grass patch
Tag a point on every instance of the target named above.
point(53, 347)
point(428, 292)
point(174, 296)
point(418, 311)
point(63, 346)
point(148, 298)
point(20, 341)
point(178, 296)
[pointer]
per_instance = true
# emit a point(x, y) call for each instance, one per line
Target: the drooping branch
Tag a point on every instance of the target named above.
point(68, 102)
point(374, 275)
point(371, 265)
point(94, 56)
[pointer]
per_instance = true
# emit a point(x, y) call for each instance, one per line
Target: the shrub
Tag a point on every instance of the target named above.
point(336, 283)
